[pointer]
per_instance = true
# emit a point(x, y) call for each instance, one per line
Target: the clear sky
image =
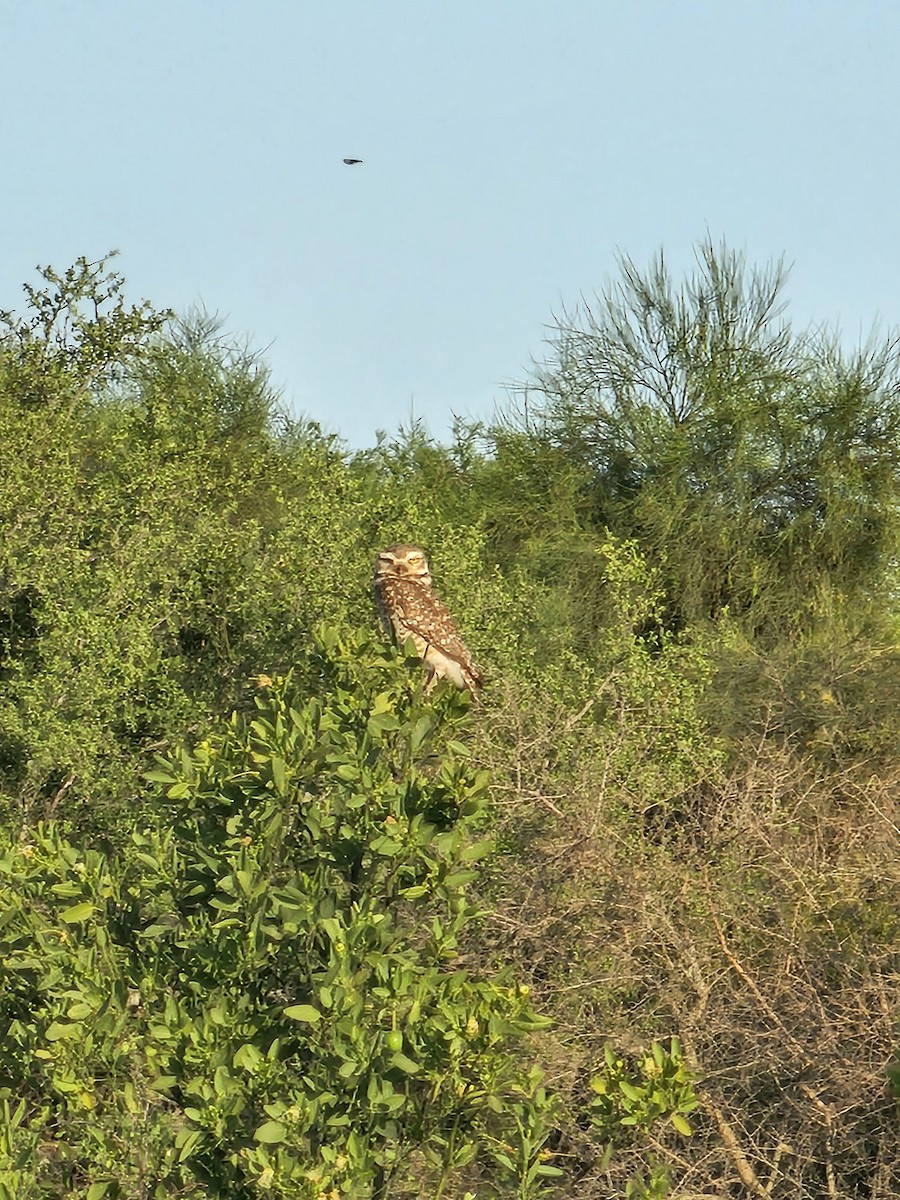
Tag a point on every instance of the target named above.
point(511, 148)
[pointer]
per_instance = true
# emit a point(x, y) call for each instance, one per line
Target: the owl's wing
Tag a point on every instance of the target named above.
point(437, 628)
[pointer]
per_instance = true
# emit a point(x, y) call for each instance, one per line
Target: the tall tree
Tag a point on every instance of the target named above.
point(758, 465)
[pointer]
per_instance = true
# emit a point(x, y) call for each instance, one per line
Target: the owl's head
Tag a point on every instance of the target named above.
point(403, 562)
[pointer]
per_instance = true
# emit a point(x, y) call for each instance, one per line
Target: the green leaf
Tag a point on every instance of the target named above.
point(475, 851)
point(302, 1012)
point(191, 1139)
point(459, 879)
point(682, 1125)
point(414, 892)
point(57, 1030)
point(270, 1132)
point(534, 1021)
point(160, 776)
point(382, 723)
point(248, 1057)
point(420, 732)
point(162, 1083)
point(78, 912)
point(402, 1063)
point(385, 846)
point(78, 1012)
point(148, 860)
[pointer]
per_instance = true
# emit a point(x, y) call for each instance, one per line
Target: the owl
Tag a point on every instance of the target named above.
point(410, 609)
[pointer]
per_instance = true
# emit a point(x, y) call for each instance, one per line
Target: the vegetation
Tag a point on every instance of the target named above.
point(273, 924)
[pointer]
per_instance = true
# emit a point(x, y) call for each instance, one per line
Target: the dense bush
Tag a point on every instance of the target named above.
point(260, 996)
point(303, 956)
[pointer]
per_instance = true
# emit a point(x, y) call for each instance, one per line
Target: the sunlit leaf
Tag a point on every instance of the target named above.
point(78, 912)
point(302, 1012)
point(270, 1132)
point(404, 1064)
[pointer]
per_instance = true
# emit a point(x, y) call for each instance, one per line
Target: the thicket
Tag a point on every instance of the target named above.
point(274, 925)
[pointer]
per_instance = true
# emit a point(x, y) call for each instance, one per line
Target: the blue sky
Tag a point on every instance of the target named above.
point(511, 149)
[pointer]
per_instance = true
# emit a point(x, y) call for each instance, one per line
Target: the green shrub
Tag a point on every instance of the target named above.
point(264, 997)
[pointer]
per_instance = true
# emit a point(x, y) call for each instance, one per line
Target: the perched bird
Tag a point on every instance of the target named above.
point(410, 609)
point(351, 162)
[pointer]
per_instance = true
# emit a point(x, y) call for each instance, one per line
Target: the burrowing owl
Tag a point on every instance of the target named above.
point(410, 609)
